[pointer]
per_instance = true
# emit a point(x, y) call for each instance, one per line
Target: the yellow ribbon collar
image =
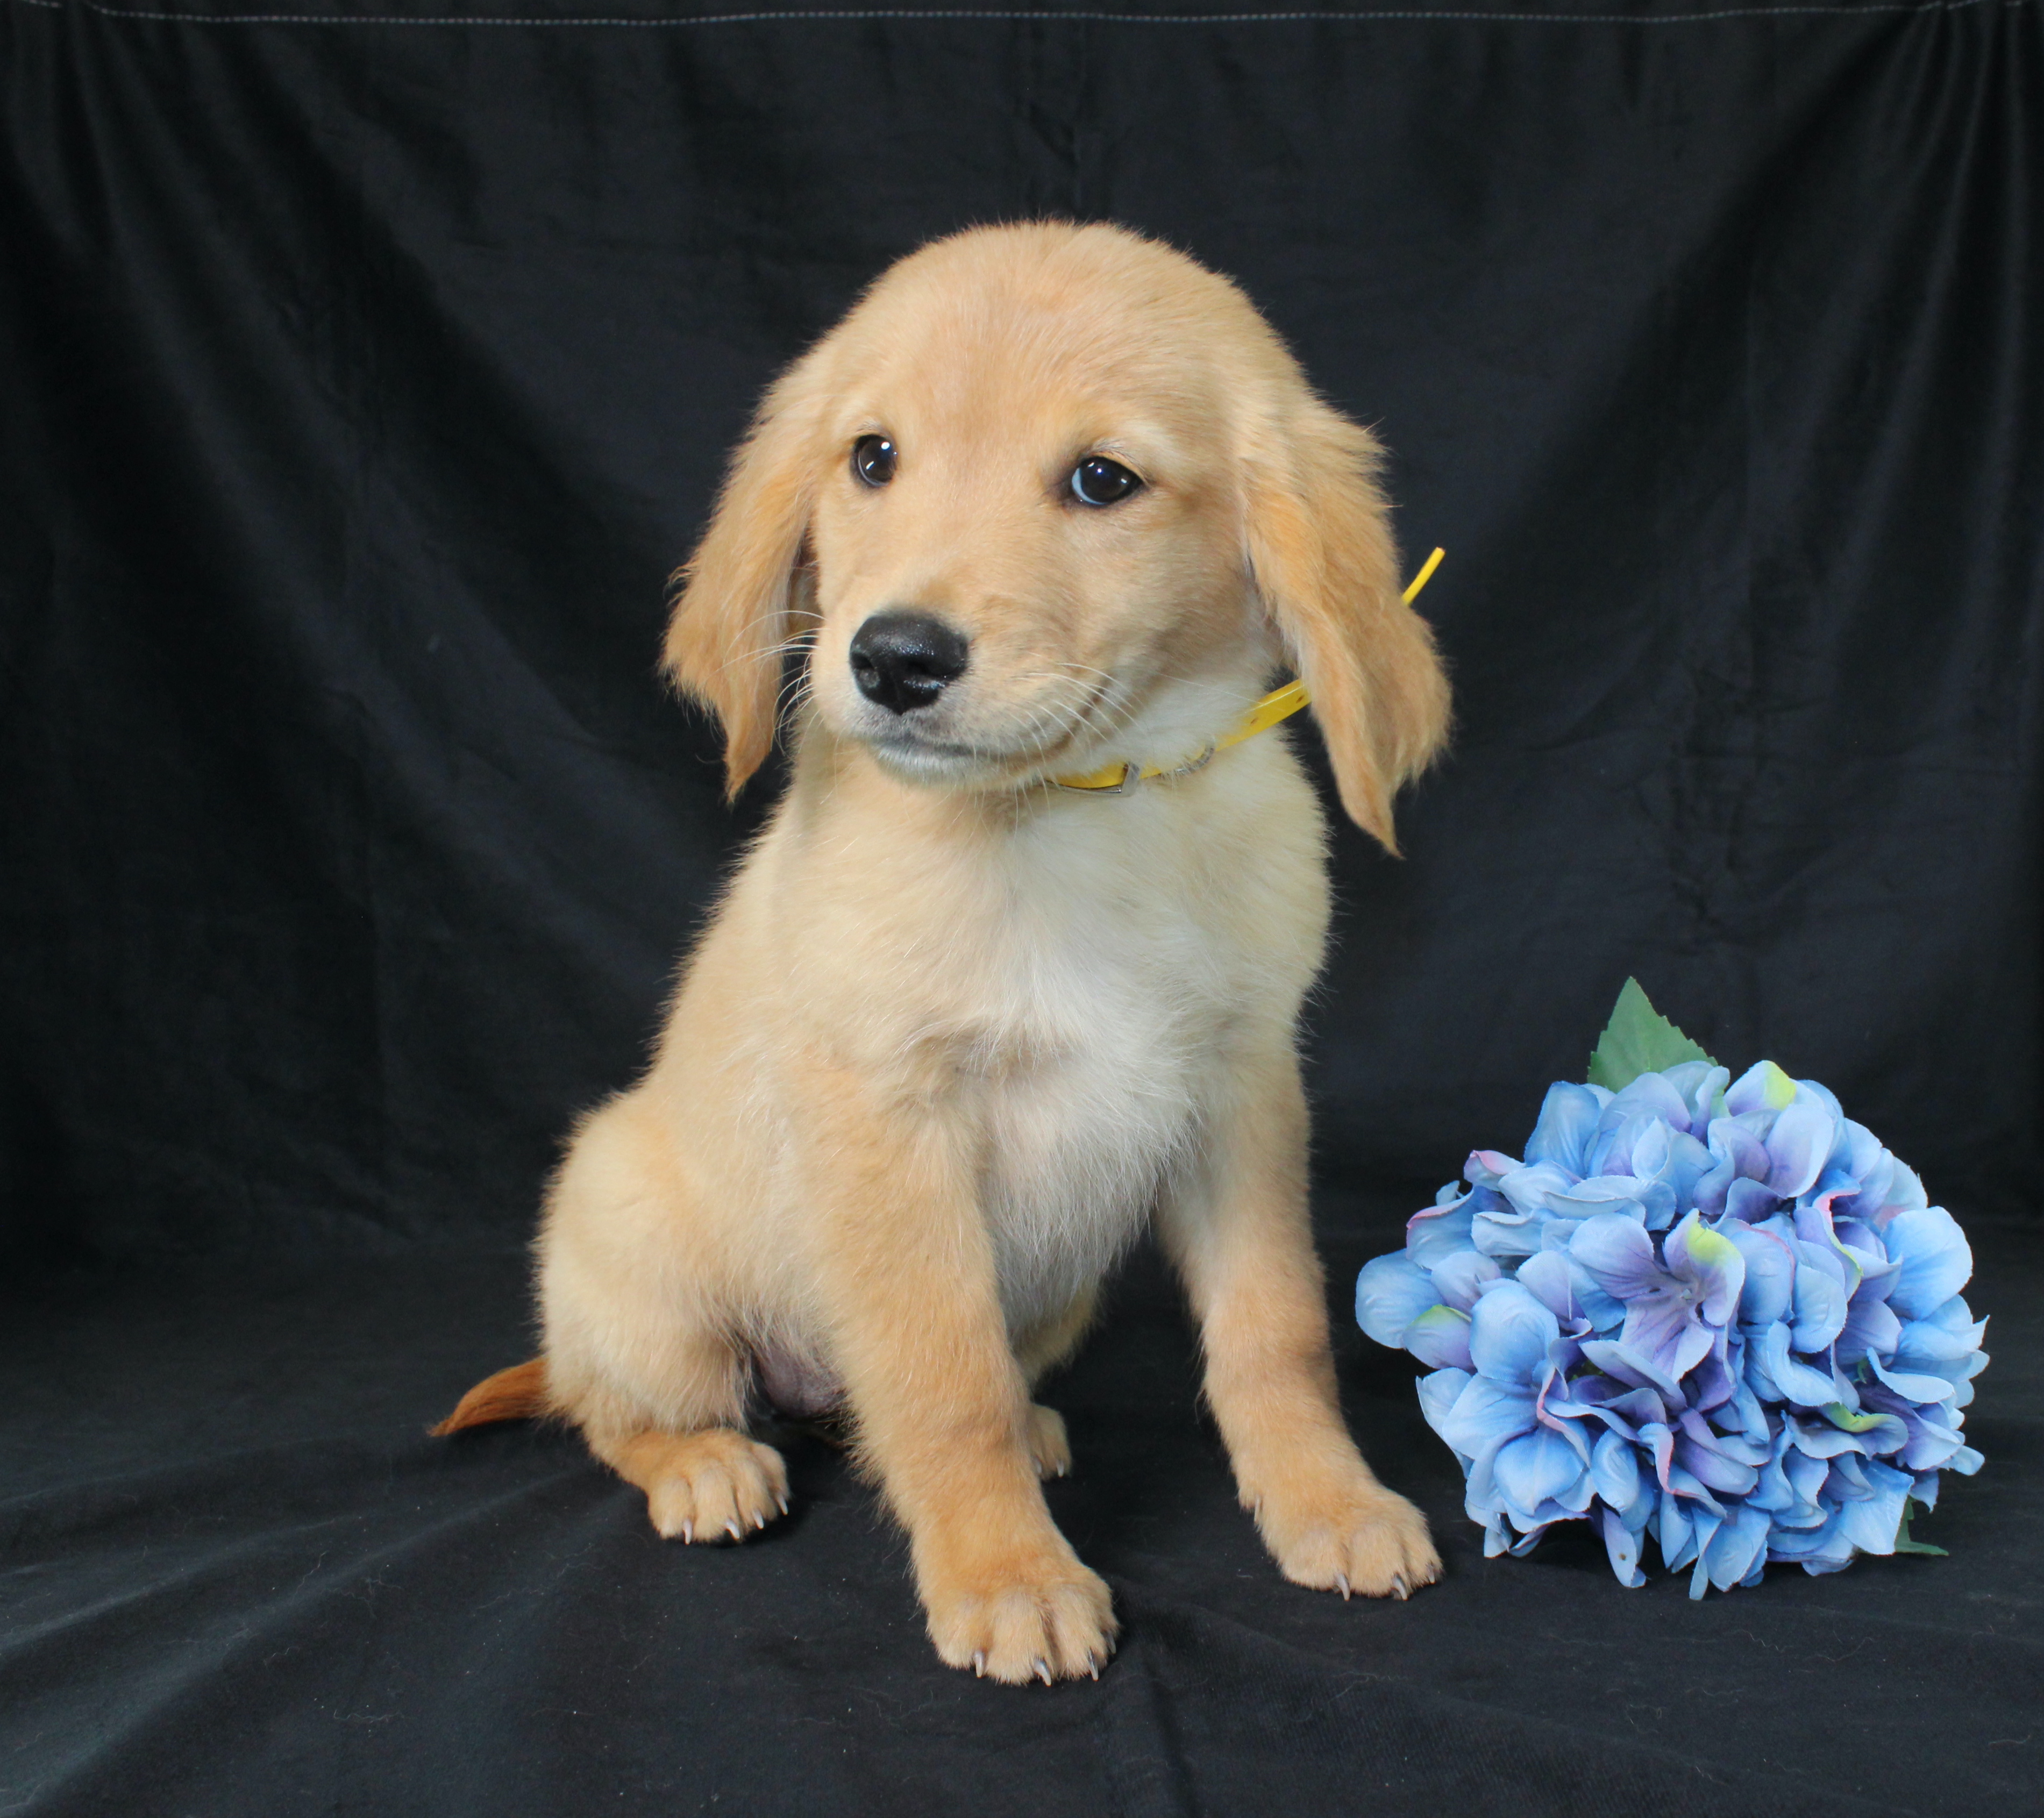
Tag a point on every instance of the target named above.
point(1279, 704)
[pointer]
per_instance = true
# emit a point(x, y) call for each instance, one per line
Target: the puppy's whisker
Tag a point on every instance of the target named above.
point(777, 651)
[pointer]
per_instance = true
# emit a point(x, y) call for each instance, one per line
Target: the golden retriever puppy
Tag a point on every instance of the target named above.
point(1049, 501)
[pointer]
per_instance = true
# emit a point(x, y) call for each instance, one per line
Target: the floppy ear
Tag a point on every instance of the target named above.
point(738, 606)
point(1321, 552)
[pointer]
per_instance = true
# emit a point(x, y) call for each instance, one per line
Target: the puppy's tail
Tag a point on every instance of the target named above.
point(513, 1395)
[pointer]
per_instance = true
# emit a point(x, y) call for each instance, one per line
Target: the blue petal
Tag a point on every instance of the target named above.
point(1871, 1329)
point(1798, 1146)
point(1530, 1187)
point(1651, 1095)
point(1703, 1088)
point(1539, 1468)
point(1713, 1470)
point(1713, 1265)
point(1905, 1192)
point(1805, 1472)
point(1509, 1334)
point(1616, 1358)
point(1619, 1254)
point(1439, 1232)
point(1644, 1407)
point(1506, 1235)
point(1624, 1194)
point(1688, 1163)
point(1930, 1441)
point(1457, 1278)
point(1439, 1337)
point(1484, 1415)
point(1737, 1146)
point(1692, 1488)
point(1438, 1395)
point(1606, 1313)
point(1820, 1439)
point(1762, 1087)
point(1936, 1262)
point(1481, 1498)
point(1819, 1550)
point(1739, 1544)
point(1925, 1390)
point(1621, 1484)
point(1806, 1089)
point(1486, 1167)
point(1390, 1293)
point(1793, 1380)
point(1770, 1272)
point(1750, 1202)
point(1592, 1398)
point(1878, 1432)
point(1948, 1336)
point(1872, 1522)
point(1676, 1532)
point(1715, 1379)
point(1567, 1119)
point(1546, 1277)
point(1640, 1148)
point(1622, 1544)
point(1746, 1409)
point(1774, 1493)
point(1663, 1328)
point(1744, 1447)
point(1820, 1300)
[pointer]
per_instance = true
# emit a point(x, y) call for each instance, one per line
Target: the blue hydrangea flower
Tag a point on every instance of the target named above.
point(1715, 1312)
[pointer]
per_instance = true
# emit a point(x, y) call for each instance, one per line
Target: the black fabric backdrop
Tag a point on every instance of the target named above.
point(363, 375)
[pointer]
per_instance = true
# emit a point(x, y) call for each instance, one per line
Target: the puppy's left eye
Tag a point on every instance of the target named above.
point(1098, 481)
point(873, 459)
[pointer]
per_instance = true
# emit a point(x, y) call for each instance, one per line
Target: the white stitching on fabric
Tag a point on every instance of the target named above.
point(1854, 9)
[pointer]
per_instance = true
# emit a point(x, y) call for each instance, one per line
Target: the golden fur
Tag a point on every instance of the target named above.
point(955, 1036)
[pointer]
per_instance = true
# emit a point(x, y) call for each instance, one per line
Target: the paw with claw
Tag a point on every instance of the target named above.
point(1356, 1537)
point(714, 1485)
point(1028, 1613)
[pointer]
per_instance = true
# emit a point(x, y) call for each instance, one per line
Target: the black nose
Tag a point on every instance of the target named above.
point(905, 660)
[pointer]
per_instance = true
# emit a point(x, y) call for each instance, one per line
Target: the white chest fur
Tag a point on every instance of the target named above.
point(1075, 992)
point(1112, 982)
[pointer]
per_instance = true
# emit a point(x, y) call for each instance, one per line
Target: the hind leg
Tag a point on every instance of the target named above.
point(712, 1484)
point(638, 1354)
point(1039, 1351)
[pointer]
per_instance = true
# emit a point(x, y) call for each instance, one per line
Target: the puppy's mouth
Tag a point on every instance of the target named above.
point(1041, 741)
point(929, 752)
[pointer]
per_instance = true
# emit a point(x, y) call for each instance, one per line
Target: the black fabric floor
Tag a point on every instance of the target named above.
point(241, 1580)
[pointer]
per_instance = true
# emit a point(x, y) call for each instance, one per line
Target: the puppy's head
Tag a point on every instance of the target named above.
point(1049, 497)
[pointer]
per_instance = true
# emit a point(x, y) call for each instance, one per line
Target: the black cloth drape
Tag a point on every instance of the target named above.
point(363, 375)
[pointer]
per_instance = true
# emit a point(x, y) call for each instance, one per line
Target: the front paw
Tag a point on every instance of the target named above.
point(1359, 1539)
point(1032, 1614)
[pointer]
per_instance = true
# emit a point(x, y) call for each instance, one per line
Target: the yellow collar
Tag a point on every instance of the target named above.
point(1279, 704)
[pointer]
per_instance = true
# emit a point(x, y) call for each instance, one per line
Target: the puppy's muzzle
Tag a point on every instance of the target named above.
point(905, 660)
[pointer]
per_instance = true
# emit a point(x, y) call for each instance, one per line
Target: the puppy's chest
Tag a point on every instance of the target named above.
point(1099, 1045)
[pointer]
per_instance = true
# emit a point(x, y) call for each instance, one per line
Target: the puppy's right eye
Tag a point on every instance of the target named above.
point(873, 459)
point(1096, 481)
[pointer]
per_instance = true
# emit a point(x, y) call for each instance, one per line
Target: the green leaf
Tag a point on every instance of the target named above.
point(1902, 1543)
point(1638, 1039)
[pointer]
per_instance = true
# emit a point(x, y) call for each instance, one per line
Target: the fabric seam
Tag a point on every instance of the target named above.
point(1046, 16)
